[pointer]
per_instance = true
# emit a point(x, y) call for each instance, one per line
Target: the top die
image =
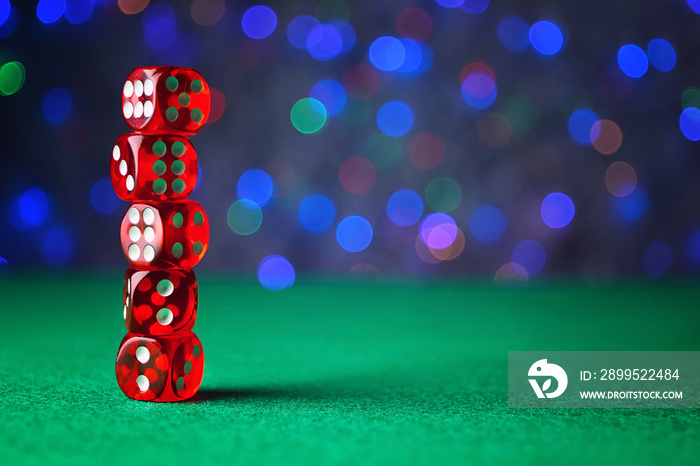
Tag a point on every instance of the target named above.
point(165, 99)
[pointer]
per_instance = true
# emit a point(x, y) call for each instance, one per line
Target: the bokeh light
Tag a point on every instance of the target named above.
point(354, 233)
point(102, 197)
point(255, 185)
point(79, 11)
point(12, 77)
point(475, 7)
point(299, 29)
point(207, 12)
point(426, 150)
point(244, 217)
point(132, 7)
point(50, 11)
point(656, 259)
point(546, 37)
point(487, 223)
point(694, 5)
point(57, 246)
point(513, 32)
point(662, 55)
point(316, 213)
point(581, 122)
point(606, 136)
point(413, 57)
point(557, 210)
point(632, 60)
point(276, 273)
point(327, 10)
point(620, 179)
point(438, 231)
point(383, 151)
point(347, 32)
point(494, 130)
point(395, 118)
point(449, 3)
point(478, 86)
point(404, 208)
point(331, 94)
point(387, 53)
point(415, 23)
point(159, 29)
point(690, 97)
point(5, 10)
point(29, 210)
point(530, 255)
point(361, 81)
point(259, 21)
point(57, 105)
point(633, 206)
point(357, 175)
point(511, 272)
point(690, 123)
point(324, 42)
point(308, 115)
point(452, 251)
point(692, 249)
point(443, 194)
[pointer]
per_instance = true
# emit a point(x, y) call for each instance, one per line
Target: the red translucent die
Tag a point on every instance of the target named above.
point(160, 235)
point(159, 302)
point(153, 167)
point(160, 368)
point(165, 99)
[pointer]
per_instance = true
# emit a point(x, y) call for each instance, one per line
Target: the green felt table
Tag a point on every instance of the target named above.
point(339, 371)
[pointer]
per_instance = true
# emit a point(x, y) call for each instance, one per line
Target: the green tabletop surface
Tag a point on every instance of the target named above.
point(337, 371)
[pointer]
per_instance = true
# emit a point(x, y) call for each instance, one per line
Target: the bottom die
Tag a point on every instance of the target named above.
point(160, 368)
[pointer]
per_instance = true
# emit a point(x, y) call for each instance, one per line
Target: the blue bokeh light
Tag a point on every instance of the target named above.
point(102, 197)
point(299, 29)
point(692, 249)
point(690, 123)
point(316, 213)
point(255, 185)
point(5, 10)
point(259, 22)
point(79, 11)
point(632, 60)
point(30, 209)
point(159, 29)
point(413, 58)
point(347, 33)
point(662, 55)
point(324, 42)
point(354, 233)
point(479, 91)
point(331, 94)
point(404, 208)
point(475, 7)
point(395, 118)
point(50, 11)
point(276, 273)
point(57, 105)
point(632, 206)
point(449, 3)
point(531, 255)
point(581, 122)
point(546, 37)
point(694, 5)
point(514, 33)
point(10, 24)
point(57, 246)
point(557, 210)
point(656, 259)
point(387, 53)
point(487, 223)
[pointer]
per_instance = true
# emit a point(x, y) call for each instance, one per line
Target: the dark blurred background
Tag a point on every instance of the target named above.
point(499, 139)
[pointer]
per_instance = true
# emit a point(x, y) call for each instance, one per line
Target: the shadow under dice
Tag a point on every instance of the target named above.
point(167, 369)
point(160, 235)
point(165, 99)
point(155, 167)
point(159, 302)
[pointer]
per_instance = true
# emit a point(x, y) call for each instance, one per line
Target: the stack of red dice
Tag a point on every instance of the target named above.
point(163, 235)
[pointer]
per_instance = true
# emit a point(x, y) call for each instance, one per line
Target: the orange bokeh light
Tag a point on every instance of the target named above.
point(606, 136)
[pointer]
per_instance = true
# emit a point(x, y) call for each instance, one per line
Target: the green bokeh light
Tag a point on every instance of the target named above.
point(244, 217)
point(330, 10)
point(443, 194)
point(308, 115)
point(383, 151)
point(690, 97)
point(12, 76)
